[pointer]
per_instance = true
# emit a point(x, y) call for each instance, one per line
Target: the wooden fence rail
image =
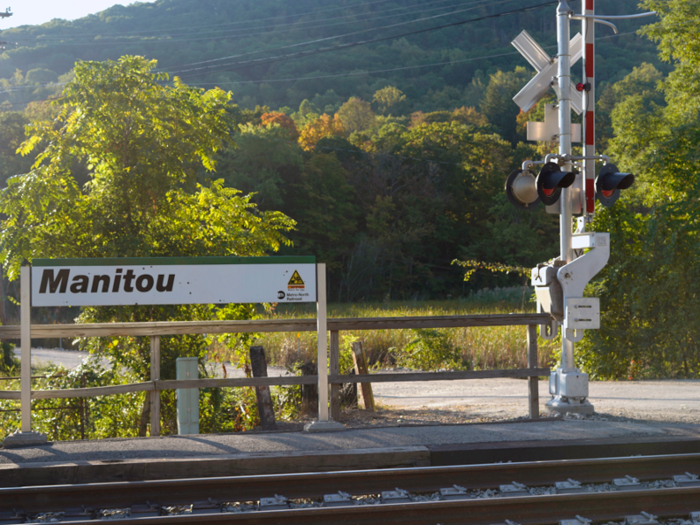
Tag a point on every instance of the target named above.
point(155, 330)
point(52, 331)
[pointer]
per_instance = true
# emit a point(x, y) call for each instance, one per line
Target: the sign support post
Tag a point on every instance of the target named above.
point(25, 437)
point(324, 423)
point(26, 346)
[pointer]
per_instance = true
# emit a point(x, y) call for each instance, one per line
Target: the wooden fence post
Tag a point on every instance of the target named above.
point(155, 394)
point(358, 355)
point(259, 367)
point(335, 370)
point(533, 385)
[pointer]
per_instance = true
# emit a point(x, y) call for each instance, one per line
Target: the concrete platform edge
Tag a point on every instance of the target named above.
point(83, 471)
point(516, 451)
point(24, 439)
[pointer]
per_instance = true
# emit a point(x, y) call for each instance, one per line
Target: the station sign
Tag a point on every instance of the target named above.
point(173, 280)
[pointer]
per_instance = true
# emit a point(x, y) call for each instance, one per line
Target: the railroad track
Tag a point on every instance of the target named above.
point(540, 492)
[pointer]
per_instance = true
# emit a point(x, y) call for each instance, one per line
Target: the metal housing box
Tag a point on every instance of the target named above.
point(553, 385)
point(187, 398)
point(582, 312)
point(572, 384)
point(548, 290)
point(581, 241)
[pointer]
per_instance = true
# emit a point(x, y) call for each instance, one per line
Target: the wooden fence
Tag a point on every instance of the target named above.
point(155, 330)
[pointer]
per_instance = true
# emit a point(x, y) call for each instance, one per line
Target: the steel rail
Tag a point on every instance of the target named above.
point(533, 510)
point(314, 485)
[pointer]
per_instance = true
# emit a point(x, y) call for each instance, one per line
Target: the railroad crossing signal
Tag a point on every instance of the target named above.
point(526, 191)
point(551, 181)
point(560, 283)
point(521, 189)
point(546, 68)
point(609, 183)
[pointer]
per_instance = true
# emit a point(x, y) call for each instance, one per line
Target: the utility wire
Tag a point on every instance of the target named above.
point(480, 3)
point(353, 73)
point(270, 60)
point(335, 37)
point(234, 23)
point(297, 25)
point(359, 73)
point(224, 37)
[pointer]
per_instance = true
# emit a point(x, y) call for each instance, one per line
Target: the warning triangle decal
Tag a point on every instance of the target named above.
point(296, 281)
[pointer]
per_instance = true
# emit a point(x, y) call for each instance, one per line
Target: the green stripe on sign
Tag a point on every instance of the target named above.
point(171, 261)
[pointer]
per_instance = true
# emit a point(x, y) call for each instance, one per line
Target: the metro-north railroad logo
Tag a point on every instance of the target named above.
point(296, 282)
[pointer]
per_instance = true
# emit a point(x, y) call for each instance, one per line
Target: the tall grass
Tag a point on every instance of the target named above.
point(470, 348)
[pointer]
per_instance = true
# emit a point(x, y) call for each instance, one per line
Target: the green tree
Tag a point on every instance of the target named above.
point(146, 148)
point(650, 289)
point(387, 98)
point(325, 211)
point(265, 162)
point(356, 115)
point(644, 80)
point(498, 106)
point(12, 125)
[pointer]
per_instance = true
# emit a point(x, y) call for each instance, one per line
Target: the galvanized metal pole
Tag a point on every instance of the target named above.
point(564, 85)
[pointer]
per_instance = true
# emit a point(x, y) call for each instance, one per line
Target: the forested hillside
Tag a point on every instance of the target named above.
point(352, 131)
point(217, 42)
point(390, 156)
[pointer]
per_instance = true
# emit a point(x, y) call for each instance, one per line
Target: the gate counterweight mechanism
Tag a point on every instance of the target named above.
point(559, 284)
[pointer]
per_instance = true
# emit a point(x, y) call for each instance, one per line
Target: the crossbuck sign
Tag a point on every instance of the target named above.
point(546, 68)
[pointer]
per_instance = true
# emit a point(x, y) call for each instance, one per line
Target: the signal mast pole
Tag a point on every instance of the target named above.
point(564, 84)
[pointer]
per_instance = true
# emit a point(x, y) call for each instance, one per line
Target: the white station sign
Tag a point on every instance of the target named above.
point(176, 280)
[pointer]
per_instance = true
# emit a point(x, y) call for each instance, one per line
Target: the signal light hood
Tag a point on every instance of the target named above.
point(551, 181)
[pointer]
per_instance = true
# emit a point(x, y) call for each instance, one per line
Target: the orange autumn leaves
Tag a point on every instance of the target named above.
point(308, 137)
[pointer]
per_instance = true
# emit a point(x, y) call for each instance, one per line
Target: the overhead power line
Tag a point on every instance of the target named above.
point(243, 22)
point(247, 23)
point(375, 71)
point(334, 37)
point(265, 81)
point(224, 37)
point(358, 73)
point(480, 3)
point(350, 74)
point(270, 60)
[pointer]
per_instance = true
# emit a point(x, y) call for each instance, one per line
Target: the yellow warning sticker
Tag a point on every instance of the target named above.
point(296, 282)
